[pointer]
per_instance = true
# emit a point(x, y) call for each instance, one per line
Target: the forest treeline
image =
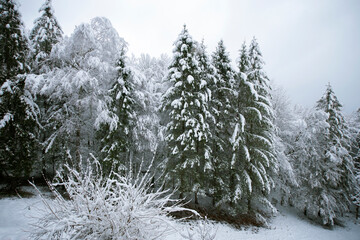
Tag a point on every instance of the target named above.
point(216, 133)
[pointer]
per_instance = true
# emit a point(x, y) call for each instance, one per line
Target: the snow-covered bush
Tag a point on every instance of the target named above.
point(200, 230)
point(112, 207)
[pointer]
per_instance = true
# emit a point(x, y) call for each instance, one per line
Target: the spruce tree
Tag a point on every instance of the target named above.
point(241, 183)
point(187, 128)
point(16, 119)
point(115, 134)
point(253, 139)
point(222, 106)
point(314, 195)
point(44, 35)
point(340, 177)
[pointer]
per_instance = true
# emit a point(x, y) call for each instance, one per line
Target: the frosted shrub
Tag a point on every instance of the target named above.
point(200, 230)
point(113, 207)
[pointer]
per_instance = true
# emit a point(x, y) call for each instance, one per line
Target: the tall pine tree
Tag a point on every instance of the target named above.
point(115, 132)
point(340, 177)
point(17, 121)
point(253, 138)
point(44, 35)
point(222, 106)
point(187, 128)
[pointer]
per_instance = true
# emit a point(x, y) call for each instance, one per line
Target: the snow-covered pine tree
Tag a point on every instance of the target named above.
point(44, 35)
point(17, 120)
point(188, 131)
point(314, 195)
point(216, 185)
point(222, 106)
point(340, 177)
point(115, 132)
point(240, 183)
point(253, 138)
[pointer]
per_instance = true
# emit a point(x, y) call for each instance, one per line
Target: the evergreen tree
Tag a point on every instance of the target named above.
point(240, 179)
point(322, 162)
point(340, 177)
point(222, 106)
point(17, 120)
point(116, 132)
point(13, 44)
point(253, 139)
point(314, 195)
point(44, 35)
point(187, 129)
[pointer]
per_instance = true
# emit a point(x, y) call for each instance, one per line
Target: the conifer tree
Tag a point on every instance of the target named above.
point(17, 120)
point(241, 185)
point(322, 161)
point(44, 35)
point(313, 196)
point(216, 184)
point(222, 106)
point(187, 128)
point(116, 132)
point(253, 139)
point(340, 177)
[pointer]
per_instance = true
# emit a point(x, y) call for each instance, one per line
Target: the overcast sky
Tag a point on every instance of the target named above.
point(305, 43)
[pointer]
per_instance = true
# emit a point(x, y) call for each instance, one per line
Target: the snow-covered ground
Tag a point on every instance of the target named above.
point(16, 215)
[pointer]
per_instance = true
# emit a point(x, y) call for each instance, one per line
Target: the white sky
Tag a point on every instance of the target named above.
point(305, 43)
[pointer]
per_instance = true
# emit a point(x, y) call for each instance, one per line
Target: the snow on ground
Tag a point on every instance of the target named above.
point(16, 215)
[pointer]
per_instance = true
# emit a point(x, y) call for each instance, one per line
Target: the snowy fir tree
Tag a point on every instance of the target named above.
point(44, 35)
point(314, 195)
point(17, 117)
point(340, 177)
point(322, 162)
point(253, 137)
point(187, 128)
point(222, 106)
point(115, 132)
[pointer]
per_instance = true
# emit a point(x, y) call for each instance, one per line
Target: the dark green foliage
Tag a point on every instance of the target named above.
point(337, 151)
point(44, 35)
point(222, 107)
point(187, 128)
point(13, 45)
point(115, 133)
point(16, 119)
point(253, 139)
point(17, 141)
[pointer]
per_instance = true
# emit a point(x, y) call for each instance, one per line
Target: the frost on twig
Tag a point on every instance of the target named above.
point(200, 230)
